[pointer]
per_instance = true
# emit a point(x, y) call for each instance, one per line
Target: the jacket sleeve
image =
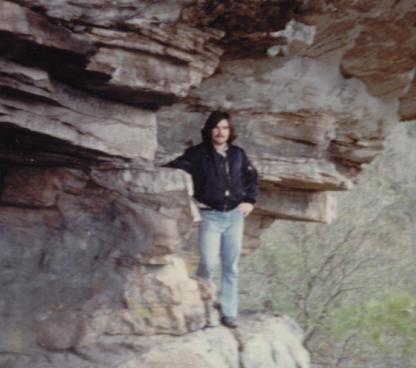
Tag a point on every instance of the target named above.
point(251, 180)
point(183, 162)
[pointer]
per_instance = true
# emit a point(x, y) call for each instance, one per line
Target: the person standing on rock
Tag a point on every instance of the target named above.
point(225, 189)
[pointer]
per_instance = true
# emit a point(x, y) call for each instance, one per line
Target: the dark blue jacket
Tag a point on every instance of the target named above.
point(221, 183)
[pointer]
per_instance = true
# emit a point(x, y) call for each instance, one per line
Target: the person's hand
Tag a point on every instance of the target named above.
point(245, 208)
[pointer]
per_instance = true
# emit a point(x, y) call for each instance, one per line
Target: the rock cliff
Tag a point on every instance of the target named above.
point(95, 95)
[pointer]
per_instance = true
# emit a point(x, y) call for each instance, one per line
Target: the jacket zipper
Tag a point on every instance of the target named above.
point(227, 182)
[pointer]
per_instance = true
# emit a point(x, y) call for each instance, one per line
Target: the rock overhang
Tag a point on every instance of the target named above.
point(125, 89)
point(310, 115)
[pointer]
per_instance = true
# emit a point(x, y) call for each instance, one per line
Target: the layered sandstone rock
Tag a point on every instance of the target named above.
point(95, 95)
point(125, 57)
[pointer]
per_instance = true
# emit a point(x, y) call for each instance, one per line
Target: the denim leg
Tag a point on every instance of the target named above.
point(231, 243)
point(210, 231)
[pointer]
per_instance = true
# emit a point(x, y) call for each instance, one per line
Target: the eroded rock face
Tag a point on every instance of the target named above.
point(154, 64)
point(80, 259)
point(310, 95)
point(32, 100)
point(95, 95)
point(264, 341)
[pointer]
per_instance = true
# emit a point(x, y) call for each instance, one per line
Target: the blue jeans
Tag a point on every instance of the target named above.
point(221, 236)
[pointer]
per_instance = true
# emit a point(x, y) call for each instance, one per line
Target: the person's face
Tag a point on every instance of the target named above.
point(221, 132)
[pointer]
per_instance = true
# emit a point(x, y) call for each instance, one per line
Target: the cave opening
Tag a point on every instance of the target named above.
point(66, 66)
point(20, 147)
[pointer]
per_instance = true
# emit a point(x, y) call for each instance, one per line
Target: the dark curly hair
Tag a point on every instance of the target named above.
point(213, 119)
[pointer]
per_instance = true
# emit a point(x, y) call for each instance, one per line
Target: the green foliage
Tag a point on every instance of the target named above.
point(388, 322)
point(349, 284)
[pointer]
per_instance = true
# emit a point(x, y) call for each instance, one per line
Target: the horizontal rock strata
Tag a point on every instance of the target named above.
point(96, 95)
point(30, 99)
point(137, 62)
